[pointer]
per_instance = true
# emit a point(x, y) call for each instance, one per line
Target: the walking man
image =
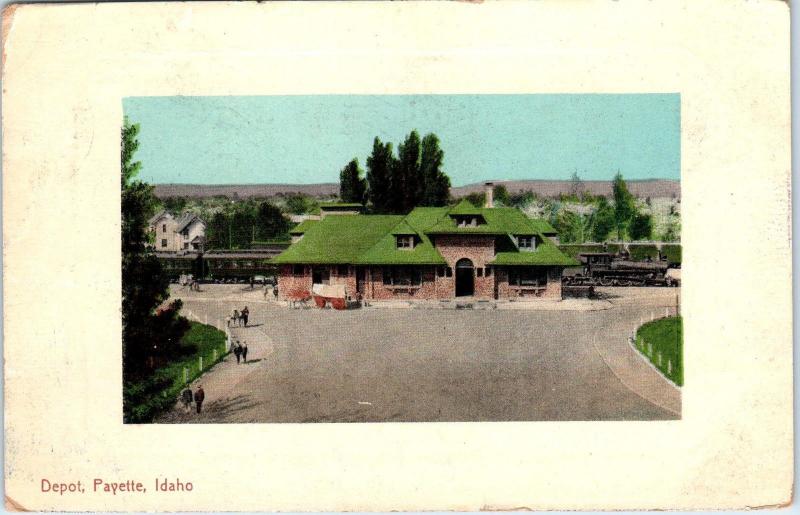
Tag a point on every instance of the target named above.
point(244, 352)
point(199, 397)
point(238, 351)
point(245, 314)
point(186, 398)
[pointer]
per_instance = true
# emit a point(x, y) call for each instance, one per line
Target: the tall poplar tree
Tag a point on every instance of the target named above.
point(379, 176)
point(352, 186)
point(406, 177)
point(434, 184)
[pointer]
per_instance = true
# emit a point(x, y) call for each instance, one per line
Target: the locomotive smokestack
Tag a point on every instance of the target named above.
point(489, 194)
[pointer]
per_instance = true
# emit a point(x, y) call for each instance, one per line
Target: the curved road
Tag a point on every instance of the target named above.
point(393, 365)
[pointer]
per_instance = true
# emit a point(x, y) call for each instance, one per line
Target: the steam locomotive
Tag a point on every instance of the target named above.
point(609, 269)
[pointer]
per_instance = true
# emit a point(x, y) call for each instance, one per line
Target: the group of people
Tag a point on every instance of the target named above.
point(239, 318)
point(240, 351)
point(187, 396)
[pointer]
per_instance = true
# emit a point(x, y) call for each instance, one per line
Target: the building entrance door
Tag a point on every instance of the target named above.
point(360, 278)
point(465, 278)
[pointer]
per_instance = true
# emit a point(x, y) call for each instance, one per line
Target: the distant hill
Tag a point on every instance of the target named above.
point(654, 188)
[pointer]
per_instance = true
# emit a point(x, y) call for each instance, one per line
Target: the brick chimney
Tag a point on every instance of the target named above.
point(489, 193)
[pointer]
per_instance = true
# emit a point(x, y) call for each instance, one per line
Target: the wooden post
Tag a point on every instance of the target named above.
point(215, 354)
point(185, 375)
point(200, 360)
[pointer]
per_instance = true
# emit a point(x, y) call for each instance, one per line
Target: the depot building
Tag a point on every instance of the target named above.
point(459, 251)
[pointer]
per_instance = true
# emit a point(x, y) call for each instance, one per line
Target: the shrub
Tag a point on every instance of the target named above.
point(642, 252)
point(672, 253)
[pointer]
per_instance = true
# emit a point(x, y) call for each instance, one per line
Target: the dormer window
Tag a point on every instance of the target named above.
point(526, 243)
point(469, 220)
point(405, 242)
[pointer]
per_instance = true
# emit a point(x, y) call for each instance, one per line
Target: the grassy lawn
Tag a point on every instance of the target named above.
point(662, 342)
point(149, 397)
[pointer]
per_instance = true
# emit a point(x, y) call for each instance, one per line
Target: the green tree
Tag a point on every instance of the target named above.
point(477, 199)
point(641, 227)
point(352, 186)
point(270, 222)
point(299, 204)
point(243, 223)
point(604, 220)
point(379, 176)
point(435, 184)
point(406, 180)
point(217, 231)
point(146, 334)
point(624, 207)
point(500, 194)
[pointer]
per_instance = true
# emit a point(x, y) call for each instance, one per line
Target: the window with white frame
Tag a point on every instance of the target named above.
point(405, 242)
point(526, 243)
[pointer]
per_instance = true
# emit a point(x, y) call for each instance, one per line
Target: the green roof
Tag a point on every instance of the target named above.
point(302, 227)
point(499, 220)
point(372, 239)
point(338, 239)
point(385, 252)
point(545, 254)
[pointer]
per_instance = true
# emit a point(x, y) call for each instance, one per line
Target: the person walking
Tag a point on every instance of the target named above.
point(252, 282)
point(186, 398)
point(238, 351)
point(244, 352)
point(245, 314)
point(235, 317)
point(199, 397)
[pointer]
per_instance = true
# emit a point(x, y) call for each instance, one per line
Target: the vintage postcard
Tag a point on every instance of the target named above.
point(373, 256)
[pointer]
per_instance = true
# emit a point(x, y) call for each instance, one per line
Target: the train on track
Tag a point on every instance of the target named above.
point(615, 265)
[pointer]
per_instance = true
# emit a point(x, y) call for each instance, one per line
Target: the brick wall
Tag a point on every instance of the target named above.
point(375, 289)
point(551, 291)
point(291, 287)
point(478, 249)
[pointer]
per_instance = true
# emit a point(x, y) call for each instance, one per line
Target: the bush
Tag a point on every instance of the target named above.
point(642, 252)
point(672, 253)
point(145, 399)
point(663, 337)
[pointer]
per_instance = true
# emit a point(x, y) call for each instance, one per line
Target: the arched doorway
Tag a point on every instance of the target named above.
point(465, 278)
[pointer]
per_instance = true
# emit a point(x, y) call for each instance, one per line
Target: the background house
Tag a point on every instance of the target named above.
point(184, 233)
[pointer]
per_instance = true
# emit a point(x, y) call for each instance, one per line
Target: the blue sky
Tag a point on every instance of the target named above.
point(308, 139)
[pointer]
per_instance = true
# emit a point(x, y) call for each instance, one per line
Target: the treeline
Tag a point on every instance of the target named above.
point(397, 183)
point(621, 219)
point(245, 222)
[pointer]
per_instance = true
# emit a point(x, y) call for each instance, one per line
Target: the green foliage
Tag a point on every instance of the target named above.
point(146, 398)
point(476, 199)
point(271, 223)
point(413, 178)
point(521, 199)
point(379, 176)
point(604, 220)
point(435, 184)
point(663, 337)
point(500, 194)
point(300, 204)
point(672, 253)
point(573, 250)
point(406, 179)
point(245, 222)
point(146, 334)
point(624, 206)
point(352, 186)
point(641, 227)
point(642, 252)
point(174, 204)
